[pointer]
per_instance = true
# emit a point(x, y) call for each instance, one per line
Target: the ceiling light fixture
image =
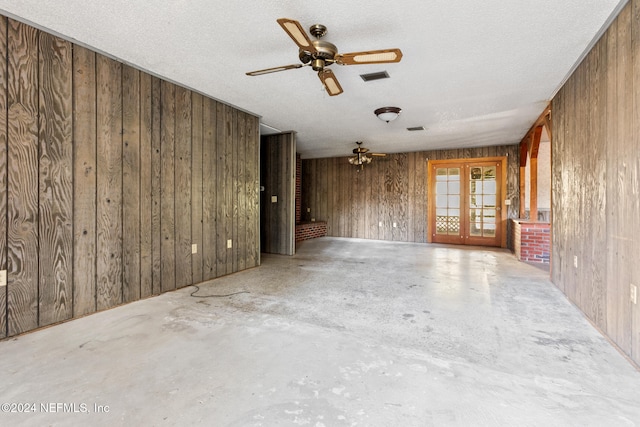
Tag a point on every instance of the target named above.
point(387, 114)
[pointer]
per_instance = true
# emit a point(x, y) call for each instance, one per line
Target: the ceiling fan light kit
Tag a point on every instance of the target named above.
point(387, 114)
point(362, 156)
point(319, 54)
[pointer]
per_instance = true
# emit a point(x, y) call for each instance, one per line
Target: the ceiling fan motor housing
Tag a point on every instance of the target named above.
point(324, 55)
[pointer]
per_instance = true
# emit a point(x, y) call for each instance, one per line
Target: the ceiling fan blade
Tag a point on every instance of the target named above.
point(378, 154)
point(274, 70)
point(330, 82)
point(371, 57)
point(297, 34)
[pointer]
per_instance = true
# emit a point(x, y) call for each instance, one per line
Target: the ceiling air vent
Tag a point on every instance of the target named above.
point(415, 128)
point(374, 76)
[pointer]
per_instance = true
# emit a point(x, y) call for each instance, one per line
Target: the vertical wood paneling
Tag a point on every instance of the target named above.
point(596, 168)
point(196, 186)
point(167, 190)
point(3, 171)
point(56, 180)
point(22, 212)
point(109, 182)
point(557, 169)
point(389, 198)
point(624, 167)
point(183, 187)
point(131, 194)
point(95, 158)
point(635, 165)
point(323, 192)
point(420, 199)
point(596, 298)
point(357, 199)
point(253, 192)
point(84, 181)
point(307, 197)
point(401, 190)
point(350, 220)
point(241, 186)
point(617, 311)
point(210, 190)
point(221, 189)
point(233, 262)
point(228, 185)
point(371, 190)
point(146, 185)
point(412, 216)
point(156, 185)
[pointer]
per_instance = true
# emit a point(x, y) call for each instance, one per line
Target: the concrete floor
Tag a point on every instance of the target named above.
point(345, 333)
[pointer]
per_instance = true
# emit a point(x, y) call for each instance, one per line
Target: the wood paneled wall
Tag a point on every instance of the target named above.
point(596, 182)
point(389, 189)
point(278, 177)
point(107, 177)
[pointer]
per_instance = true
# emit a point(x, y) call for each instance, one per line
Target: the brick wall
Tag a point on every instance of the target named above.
point(310, 230)
point(532, 241)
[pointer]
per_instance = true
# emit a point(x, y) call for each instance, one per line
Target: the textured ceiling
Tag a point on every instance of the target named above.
point(473, 73)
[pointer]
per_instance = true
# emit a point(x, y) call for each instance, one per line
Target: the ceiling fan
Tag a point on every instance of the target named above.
point(362, 156)
point(319, 54)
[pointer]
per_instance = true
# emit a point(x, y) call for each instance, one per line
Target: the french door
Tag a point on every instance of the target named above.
point(465, 201)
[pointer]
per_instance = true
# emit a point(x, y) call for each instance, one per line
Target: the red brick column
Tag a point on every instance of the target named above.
point(532, 241)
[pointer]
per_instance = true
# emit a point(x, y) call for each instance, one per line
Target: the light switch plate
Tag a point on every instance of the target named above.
point(194, 248)
point(274, 199)
point(229, 244)
point(3, 278)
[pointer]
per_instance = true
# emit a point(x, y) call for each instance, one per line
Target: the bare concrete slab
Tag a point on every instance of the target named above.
point(345, 333)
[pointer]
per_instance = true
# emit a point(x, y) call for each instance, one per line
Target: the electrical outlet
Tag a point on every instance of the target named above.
point(308, 209)
point(229, 244)
point(194, 248)
point(380, 224)
point(395, 224)
point(274, 199)
point(634, 293)
point(3, 278)
point(313, 220)
point(575, 261)
point(507, 202)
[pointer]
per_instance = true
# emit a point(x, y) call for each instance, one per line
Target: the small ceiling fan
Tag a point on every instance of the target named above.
point(362, 156)
point(319, 54)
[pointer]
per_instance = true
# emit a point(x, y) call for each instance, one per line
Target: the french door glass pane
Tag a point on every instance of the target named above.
point(482, 201)
point(448, 201)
